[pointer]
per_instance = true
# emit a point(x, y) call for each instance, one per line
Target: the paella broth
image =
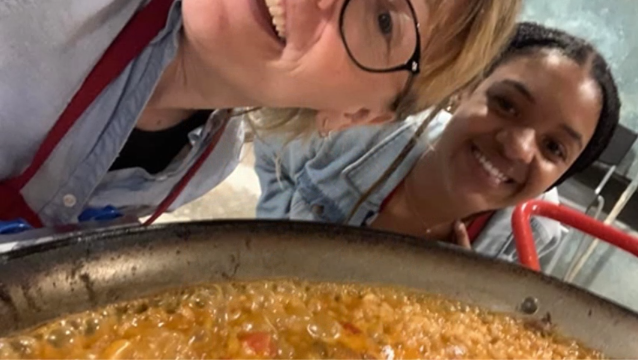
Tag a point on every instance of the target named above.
point(285, 320)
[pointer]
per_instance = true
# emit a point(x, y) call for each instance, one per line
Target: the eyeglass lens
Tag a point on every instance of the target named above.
point(380, 34)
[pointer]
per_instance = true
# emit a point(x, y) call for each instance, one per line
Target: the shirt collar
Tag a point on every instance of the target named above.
point(367, 170)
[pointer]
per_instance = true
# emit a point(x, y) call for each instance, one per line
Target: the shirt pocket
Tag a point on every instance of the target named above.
point(303, 210)
point(310, 203)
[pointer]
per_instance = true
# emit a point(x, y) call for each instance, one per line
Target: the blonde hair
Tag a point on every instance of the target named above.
point(463, 44)
point(459, 51)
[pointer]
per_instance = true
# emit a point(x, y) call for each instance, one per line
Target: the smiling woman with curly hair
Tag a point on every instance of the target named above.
point(545, 110)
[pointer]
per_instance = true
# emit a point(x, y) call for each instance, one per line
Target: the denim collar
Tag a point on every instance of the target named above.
point(362, 174)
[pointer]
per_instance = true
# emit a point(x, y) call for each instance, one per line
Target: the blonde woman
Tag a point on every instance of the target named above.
point(108, 105)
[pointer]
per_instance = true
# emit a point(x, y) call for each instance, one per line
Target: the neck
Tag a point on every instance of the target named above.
point(187, 83)
point(427, 195)
point(423, 206)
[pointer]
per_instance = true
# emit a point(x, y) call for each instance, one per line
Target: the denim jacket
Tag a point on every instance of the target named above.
point(321, 179)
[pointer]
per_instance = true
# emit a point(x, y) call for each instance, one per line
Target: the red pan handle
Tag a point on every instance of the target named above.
point(526, 248)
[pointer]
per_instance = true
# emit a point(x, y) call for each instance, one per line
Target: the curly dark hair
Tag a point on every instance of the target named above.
point(531, 38)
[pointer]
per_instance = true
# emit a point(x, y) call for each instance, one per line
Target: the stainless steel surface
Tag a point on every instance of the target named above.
point(605, 179)
point(611, 218)
point(582, 242)
point(76, 274)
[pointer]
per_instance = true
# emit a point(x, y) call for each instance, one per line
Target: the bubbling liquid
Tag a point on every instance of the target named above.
point(291, 320)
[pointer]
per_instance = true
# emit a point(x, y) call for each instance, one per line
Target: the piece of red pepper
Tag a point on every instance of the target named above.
point(260, 343)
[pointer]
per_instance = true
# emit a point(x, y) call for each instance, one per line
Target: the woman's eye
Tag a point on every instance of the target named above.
point(555, 149)
point(384, 21)
point(505, 105)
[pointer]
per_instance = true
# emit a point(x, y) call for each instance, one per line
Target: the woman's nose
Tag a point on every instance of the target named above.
point(518, 143)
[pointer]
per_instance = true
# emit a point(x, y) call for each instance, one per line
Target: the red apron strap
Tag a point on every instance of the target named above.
point(136, 35)
point(477, 225)
point(14, 207)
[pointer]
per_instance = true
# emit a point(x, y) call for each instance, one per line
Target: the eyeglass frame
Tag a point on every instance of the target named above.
point(413, 65)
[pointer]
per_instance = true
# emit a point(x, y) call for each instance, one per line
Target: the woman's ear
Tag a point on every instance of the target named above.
point(329, 121)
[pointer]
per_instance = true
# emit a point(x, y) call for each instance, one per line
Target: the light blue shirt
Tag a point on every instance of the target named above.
point(322, 179)
point(45, 53)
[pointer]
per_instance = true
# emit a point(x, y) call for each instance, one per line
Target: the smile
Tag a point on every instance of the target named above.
point(489, 167)
point(278, 17)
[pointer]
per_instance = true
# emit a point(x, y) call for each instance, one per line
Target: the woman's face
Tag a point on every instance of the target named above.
point(311, 67)
point(519, 131)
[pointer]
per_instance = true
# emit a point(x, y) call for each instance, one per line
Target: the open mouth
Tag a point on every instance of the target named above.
point(277, 13)
point(496, 174)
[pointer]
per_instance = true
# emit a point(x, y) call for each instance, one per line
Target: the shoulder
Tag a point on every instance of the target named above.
point(550, 227)
point(43, 37)
point(65, 19)
point(360, 140)
point(544, 228)
point(357, 141)
point(496, 237)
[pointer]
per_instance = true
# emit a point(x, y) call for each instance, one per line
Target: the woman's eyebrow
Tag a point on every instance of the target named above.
point(572, 133)
point(521, 88)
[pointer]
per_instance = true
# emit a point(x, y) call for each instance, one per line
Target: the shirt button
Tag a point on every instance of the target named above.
point(317, 209)
point(69, 200)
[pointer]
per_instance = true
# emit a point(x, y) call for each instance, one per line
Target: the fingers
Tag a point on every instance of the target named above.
point(461, 236)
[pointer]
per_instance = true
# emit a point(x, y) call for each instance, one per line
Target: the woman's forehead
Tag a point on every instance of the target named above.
point(550, 71)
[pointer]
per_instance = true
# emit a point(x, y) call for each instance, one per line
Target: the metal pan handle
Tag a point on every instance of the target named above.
point(523, 235)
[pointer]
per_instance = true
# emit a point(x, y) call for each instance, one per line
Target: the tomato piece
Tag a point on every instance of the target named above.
point(260, 343)
point(351, 328)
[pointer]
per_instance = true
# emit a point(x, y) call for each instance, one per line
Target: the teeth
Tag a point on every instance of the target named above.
point(276, 9)
point(489, 167)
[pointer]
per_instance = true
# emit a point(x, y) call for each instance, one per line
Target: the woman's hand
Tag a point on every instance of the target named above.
point(461, 237)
